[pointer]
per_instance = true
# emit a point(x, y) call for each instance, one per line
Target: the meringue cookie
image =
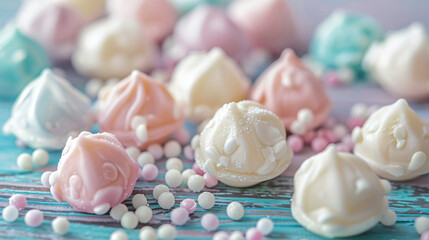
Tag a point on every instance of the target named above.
point(112, 48)
point(94, 173)
point(139, 111)
point(394, 141)
point(243, 145)
point(55, 26)
point(337, 195)
point(21, 60)
point(342, 40)
point(400, 63)
point(90, 9)
point(289, 87)
point(270, 26)
point(48, 111)
point(156, 17)
point(207, 27)
point(185, 6)
point(203, 82)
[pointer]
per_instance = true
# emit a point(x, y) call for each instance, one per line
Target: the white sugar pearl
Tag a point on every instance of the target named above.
point(359, 110)
point(25, 162)
point(159, 189)
point(174, 163)
point(172, 149)
point(389, 218)
point(156, 150)
point(236, 235)
point(40, 157)
point(265, 226)
point(305, 116)
point(166, 200)
point(186, 174)
point(139, 200)
point(141, 132)
point(53, 178)
point(298, 127)
point(196, 183)
point(133, 152)
point(144, 214)
point(10, 213)
point(147, 233)
point(167, 232)
point(119, 235)
point(60, 225)
point(421, 224)
point(195, 142)
point(235, 211)
point(129, 220)
point(137, 121)
point(118, 211)
point(93, 86)
point(173, 178)
point(145, 158)
point(206, 200)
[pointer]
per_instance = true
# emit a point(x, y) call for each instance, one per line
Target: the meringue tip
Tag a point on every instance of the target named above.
point(135, 73)
point(401, 102)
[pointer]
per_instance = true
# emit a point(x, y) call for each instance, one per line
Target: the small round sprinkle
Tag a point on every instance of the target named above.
point(340, 131)
point(167, 232)
point(206, 200)
point(53, 177)
point(189, 204)
point(309, 136)
point(188, 152)
point(136, 121)
point(172, 149)
point(196, 183)
point(60, 225)
point(33, 218)
point(45, 178)
point(235, 211)
point(236, 235)
point(209, 222)
point(25, 162)
point(139, 200)
point(118, 211)
point(186, 174)
point(93, 86)
point(149, 172)
point(319, 144)
point(195, 142)
point(147, 233)
point(296, 143)
point(305, 116)
point(156, 150)
point(298, 127)
point(159, 189)
point(10, 213)
point(145, 158)
point(353, 122)
point(141, 132)
point(174, 163)
point(40, 157)
point(425, 236)
point(173, 178)
point(209, 180)
point(221, 235)
point(182, 136)
point(359, 110)
point(129, 220)
point(133, 152)
point(265, 226)
point(144, 214)
point(179, 216)
point(421, 224)
point(19, 201)
point(254, 234)
point(119, 235)
point(166, 200)
point(197, 169)
point(389, 218)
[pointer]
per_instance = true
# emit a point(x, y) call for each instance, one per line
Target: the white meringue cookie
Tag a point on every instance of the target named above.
point(338, 195)
point(243, 145)
point(400, 63)
point(394, 141)
point(48, 111)
point(203, 82)
point(90, 9)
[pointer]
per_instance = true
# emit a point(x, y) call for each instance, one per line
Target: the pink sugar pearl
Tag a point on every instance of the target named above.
point(197, 169)
point(354, 121)
point(149, 172)
point(309, 136)
point(332, 79)
point(340, 131)
point(209, 222)
point(330, 122)
point(188, 152)
point(182, 136)
point(254, 234)
point(189, 204)
point(296, 143)
point(347, 140)
point(179, 216)
point(319, 144)
point(45, 178)
point(425, 236)
point(342, 147)
point(18, 200)
point(33, 218)
point(328, 135)
point(222, 235)
point(209, 180)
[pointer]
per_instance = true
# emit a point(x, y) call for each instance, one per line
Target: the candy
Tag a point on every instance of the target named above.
point(19, 201)
point(421, 224)
point(40, 157)
point(179, 216)
point(188, 152)
point(147, 233)
point(129, 220)
point(159, 189)
point(149, 172)
point(209, 222)
point(33, 218)
point(319, 144)
point(174, 163)
point(10, 213)
point(235, 211)
point(236, 235)
point(166, 200)
point(265, 226)
point(145, 158)
point(45, 178)
point(296, 143)
point(209, 180)
point(189, 205)
point(206, 200)
point(182, 136)
point(186, 174)
point(167, 232)
point(91, 10)
point(144, 214)
point(118, 211)
point(197, 169)
point(60, 225)
point(254, 234)
point(196, 183)
point(172, 148)
point(156, 150)
point(389, 218)
point(133, 152)
point(25, 162)
point(173, 178)
point(221, 235)
point(139, 200)
point(119, 235)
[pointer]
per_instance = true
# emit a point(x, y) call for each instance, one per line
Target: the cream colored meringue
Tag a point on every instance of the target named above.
point(400, 63)
point(203, 82)
point(112, 48)
point(90, 9)
point(243, 145)
point(338, 195)
point(94, 173)
point(139, 104)
point(394, 141)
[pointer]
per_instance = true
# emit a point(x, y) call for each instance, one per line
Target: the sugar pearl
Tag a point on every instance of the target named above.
point(93, 86)
point(235, 211)
point(18, 200)
point(144, 214)
point(189, 204)
point(298, 127)
point(25, 162)
point(389, 218)
point(118, 211)
point(206, 200)
point(156, 151)
point(309, 136)
point(196, 183)
point(159, 189)
point(119, 235)
point(305, 116)
point(149, 172)
point(10, 213)
point(139, 200)
point(166, 200)
point(209, 180)
point(188, 152)
point(296, 143)
point(209, 222)
point(172, 149)
point(129, 220)
point(147, 233)
point(254, 234)
point(358, 110)
point(182, 136)
point(145, 158)
point(174, 163)
point(195, 142)
point(167, 232)
point(340, 131)
point(186, 174)
point(136, 121)
point(197, 169)
point(353, 122)
point(265, 226)
point(60, 225)
point(53, 177)
point(222, 235)
point(421, 224)
point(319, 144)
point(141, 132)
point(45, 178)
point(40, 157)
point(179, 216)
point(425, 236)
point(236, 235)
point(173, 178)
point(133, 152)
point(33, 218)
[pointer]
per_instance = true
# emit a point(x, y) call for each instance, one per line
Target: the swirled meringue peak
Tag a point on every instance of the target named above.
point(55, 26)
point(95, 173)
point(394, 141)
point(112, 48)
point(243, 144)
point(294, 93)
point(400, 63)
point(139, 111)
point(90, 9)
point(203, 82)
point(48, 111)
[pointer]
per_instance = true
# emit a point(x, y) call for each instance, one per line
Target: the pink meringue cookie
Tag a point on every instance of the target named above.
point(139, 102)
point(289, 89)
point(54, 26)
point(207, 27)
point(267, 23)
point(156, 17)
point(95, 173)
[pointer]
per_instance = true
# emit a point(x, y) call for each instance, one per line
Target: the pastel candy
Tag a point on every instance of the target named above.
point(139, 96)
point(185, 6)
point(48, 111)
point(94, 173)
point(21, 60)
point(90, 9)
